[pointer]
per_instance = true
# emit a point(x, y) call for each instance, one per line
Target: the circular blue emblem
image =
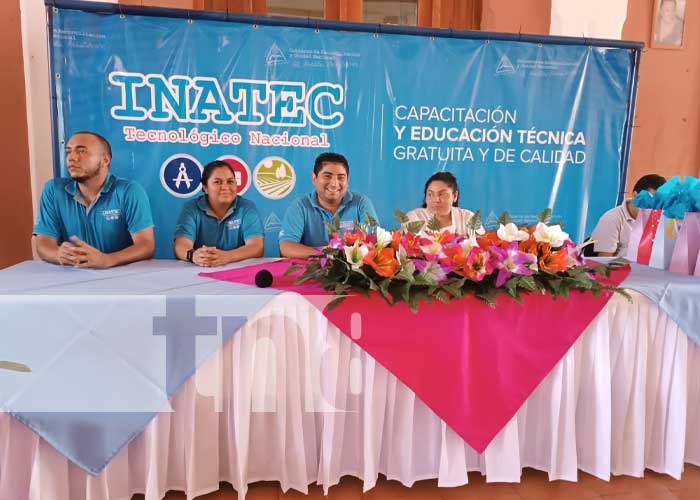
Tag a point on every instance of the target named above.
point(181, 175)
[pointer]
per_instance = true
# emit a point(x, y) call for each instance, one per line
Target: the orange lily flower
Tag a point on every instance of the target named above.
point(383, 261)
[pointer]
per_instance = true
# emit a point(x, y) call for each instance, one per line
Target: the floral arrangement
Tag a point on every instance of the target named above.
point(421, 262)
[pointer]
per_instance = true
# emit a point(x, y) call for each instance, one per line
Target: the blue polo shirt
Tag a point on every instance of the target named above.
point(120, 210)
point(304, 220)
point(198, 223)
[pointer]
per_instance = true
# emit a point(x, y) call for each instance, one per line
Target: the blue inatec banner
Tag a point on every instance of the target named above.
point(522, 125)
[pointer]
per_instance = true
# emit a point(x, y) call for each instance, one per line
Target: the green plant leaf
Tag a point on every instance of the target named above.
point(475, 221)
point(369, 220)
point(424, 279)
point(545, 215)
point(335, 302)
point(442, 296)
point(415, 226)
point(488, 296)
point(292, 269)
point(505, 218)
point(434, 223)
point(528, 283)
point(400, 216)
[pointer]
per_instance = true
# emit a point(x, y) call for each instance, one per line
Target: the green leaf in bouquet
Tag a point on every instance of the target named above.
point(384, 288)
point(504, 218)
point(292, 269)
point(489, 296)
point(369, 220)
point(334, 225)
point(415, 226)
point(400, 217)
point(475, 221)
point(511, 287)
point(555, 284)
point(403, 292)
point(309, 274)
point(454, 287)
point(442, 296)
point(424, 279)
point(545, 215)
point(528, 283)
point(414, 300)
point(434, 223)
point(335, 302)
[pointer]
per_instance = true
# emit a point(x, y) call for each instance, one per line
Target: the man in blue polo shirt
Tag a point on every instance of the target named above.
point(93, 219)
point(303, 227)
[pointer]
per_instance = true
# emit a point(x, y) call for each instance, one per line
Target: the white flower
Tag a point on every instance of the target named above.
point(355, 254)
point(469, 243)
point(550, 234)
point(383, 237)
point(510, 232)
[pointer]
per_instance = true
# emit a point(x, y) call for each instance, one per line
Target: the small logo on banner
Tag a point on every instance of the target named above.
point(275, 56)
point(272, 223)
point(505, 66)
point(181, 175)
point(241, 171)
point(274, 177)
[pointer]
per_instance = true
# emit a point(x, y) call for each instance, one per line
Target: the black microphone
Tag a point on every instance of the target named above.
point(263, 278)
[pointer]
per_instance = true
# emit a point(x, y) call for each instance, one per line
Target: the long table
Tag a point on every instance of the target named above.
point(292, 399)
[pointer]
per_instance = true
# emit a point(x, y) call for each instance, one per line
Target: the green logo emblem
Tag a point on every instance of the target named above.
point(274, 177)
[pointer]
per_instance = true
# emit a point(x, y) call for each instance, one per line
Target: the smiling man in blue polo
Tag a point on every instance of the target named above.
point(218, 227)
point(93, 219)
point(303, 228)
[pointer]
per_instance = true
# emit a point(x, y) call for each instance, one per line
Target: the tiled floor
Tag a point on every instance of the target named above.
point(534, 485)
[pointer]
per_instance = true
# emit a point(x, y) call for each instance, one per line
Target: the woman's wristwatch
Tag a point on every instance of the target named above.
point(190, 253)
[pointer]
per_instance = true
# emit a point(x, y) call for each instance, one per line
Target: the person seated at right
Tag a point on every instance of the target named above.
point(303, 228)
point(440, 198)
point(611, 235)
point(219, 226)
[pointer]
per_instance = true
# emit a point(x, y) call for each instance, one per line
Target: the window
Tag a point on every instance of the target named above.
point(402, 12)
point(295, 8)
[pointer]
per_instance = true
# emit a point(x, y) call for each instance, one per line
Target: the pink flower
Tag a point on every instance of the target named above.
point(511, 261)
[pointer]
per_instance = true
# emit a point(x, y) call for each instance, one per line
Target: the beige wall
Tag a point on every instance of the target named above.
point(666, 130)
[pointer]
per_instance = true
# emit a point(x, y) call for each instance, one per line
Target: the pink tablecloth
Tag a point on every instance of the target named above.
point(474, 366)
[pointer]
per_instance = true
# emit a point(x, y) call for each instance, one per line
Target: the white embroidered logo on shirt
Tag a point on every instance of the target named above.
point(112, 214)
point(233, 224)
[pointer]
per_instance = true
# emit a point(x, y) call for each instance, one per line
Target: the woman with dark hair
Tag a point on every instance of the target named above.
point(441, 195)
point(218, 227)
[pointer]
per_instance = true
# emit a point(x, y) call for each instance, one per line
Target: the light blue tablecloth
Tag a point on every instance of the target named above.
point(108, 349)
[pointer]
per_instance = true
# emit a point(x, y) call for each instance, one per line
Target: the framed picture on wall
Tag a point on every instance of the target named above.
point(668, 24)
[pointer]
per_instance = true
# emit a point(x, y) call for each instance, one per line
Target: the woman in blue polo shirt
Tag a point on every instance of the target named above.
point(218, 227)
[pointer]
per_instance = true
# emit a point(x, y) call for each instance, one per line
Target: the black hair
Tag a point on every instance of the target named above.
point(330, 158)
point(102, 140)
point(446, 177)
point(211, 166)
point(649, 181)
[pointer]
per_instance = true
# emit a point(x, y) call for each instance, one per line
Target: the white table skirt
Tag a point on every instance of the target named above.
point(294, 400)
